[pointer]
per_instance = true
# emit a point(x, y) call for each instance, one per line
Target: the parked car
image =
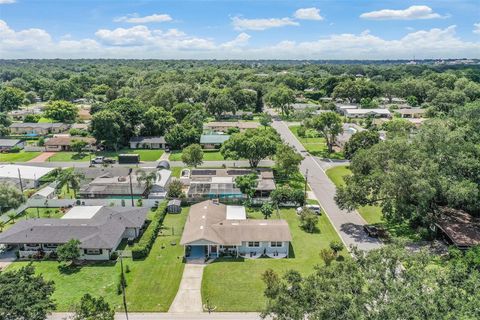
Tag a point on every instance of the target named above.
point(314, 207)
point(371, 230)
point(102, 160)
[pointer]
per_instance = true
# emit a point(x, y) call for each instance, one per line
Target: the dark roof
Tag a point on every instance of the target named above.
point(163, 164)
point(9, 142)
point(148, 139)
point(462, 228)
point(38, 125)
point(103, 231)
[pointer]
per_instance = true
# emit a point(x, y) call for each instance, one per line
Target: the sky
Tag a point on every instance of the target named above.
point(234, 29)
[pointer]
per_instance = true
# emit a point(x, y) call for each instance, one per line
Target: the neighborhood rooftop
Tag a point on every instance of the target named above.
point(37, 125)
point(10, 171)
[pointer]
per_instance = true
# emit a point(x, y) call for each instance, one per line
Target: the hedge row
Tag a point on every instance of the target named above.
point(143, 247)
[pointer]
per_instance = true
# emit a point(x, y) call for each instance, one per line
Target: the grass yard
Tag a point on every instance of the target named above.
point(208, 155)
point(373, 214)
point(176, 171)
point(152, 283)
point(145, 155)
point(21, 156)
point(315, 145)
point(236, 284)
point(32, 213)
point(66, 156)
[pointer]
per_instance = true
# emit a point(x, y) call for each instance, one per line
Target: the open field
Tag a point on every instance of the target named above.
point(315, 145)
point(236, 284)
point(152, 283)
point(21, 156)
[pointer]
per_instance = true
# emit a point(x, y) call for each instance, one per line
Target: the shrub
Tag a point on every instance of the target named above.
point(143, 247)
point(327, 256)
point(15, 149)
point(336, 246)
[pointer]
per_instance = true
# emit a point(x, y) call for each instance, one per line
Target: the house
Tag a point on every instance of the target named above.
point(411, 113)
point(45, 193)
point(108, 186)
point(20, 114)
point(64, 143)
point(213, 229)
point(224, 126)
point(28, 175)
point(239, 114)
point(8, 144)
point(364, 113)
point(80, 126)
point(99, 229)
point(349, 129)
point(159, 188)
point(304, 106)
point(30, 128)
point(458, 227)
point(148, 143)
point(213, 141)
point(341, 108)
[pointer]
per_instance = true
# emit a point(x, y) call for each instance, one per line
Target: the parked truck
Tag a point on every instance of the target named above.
point(128, 158)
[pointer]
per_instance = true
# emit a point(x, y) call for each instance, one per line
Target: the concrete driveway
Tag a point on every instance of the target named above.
point(6, 258)
point(189, 296)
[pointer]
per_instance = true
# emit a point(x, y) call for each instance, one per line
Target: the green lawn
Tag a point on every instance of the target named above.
point(46, 120)
point(208, 155)
point(21, 156)
point(373, 214)
point(236, 284)
point(145, 155)
point(32, 213)
point(176, 171)
point(152, 283)
point(315, 145)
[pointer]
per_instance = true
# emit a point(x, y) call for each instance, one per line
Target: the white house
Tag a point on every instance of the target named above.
point(29, 175)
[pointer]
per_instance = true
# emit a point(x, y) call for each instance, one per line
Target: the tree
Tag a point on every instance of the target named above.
point(175, 189)
point(404, 281)
point(265, 119)
point(285, 195)
point(10, 197)
point(91, 308)
point(78, 145)
point(398, 128)
point(61, 111)
point(360, 140)
point(2, 225)
point(329, 125)
point(106, 128)
point(156, 122)
point(271, 280)
point(131, 113)
point(65, 90)
point(192, 155)
point(69, 252)
point(10, 98)
point(220, 102)
point(254, 145)
point(308, 220)
point(182, 135)
point(71, 179)
point(247, 183)
point(24, 295)
point(281, 99)
point(146, 178)
point(287, 160)
point(266, 209)
point(5, 122)
point(327, 255)
point(336, 246)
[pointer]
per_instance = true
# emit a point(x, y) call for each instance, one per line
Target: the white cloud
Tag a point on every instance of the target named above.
point(134, 18)
point(261, 24)
point(7, 1)
point(476, 28)
point(308, 14)
point(240, 41)
point(411, 13)
point(137, 35)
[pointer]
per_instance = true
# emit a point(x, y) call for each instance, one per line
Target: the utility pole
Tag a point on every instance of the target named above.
point(20, 178)
point(123, 288)
point(131, 187)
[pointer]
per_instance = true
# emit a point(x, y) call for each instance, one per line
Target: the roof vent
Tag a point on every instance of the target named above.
point(262, 224)
point(201, 227)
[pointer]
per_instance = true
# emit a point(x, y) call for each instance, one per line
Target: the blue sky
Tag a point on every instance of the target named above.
point(281, 29)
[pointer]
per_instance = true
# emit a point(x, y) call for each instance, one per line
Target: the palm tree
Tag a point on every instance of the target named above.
point(12, 216)
point(2, 225)
point(147, 178)
point(72, 180)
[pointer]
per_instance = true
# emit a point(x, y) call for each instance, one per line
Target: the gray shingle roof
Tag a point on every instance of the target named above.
point(37, 125)
point(9, 142)
point(148, 139)
point(103, 231)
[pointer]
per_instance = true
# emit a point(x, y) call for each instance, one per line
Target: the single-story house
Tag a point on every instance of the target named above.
point(148, 143)
point(341, 108)
point(218, 126)
point(364, 113)
point(64, 143)
point(38, 128)
point(79, 126)
point(213, 141)
point(108, 186)
point(29, 175)
point(240, 114)
point(99, 229)
point(411, 113)
point(349, 129)
point(459, 228)
point(213, 229)
point(160, 186)
point(20, 114)
point(47, 192)
point(304, 106)
point(8, 144)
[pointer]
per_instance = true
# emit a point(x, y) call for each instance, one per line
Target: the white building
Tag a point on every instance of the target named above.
point(29, 175)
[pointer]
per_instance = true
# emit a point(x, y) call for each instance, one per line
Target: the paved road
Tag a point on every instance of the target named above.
point(189, 296)
point(349, 225)
point(149, 164)
point(175, 316)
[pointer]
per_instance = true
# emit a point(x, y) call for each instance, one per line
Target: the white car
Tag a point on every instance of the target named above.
point(314, 207)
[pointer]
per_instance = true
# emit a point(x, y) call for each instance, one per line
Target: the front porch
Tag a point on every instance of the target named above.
point(209, 251)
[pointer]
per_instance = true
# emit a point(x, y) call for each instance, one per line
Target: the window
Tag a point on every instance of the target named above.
point(253, 244)
point(93, 251)
point(50, 245)
point(276, 244)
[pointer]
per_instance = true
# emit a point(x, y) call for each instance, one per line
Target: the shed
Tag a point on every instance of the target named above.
point(174, 206)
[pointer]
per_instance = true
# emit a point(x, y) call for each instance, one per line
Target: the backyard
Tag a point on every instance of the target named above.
point(314, 144)
point(32, 213)
point(236, 284)
point(145, 155)
point(151, 283)
point(21, 156)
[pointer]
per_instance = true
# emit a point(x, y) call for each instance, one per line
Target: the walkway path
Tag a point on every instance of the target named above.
point(42, 157)
point(349, 225)
point(189, 296)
